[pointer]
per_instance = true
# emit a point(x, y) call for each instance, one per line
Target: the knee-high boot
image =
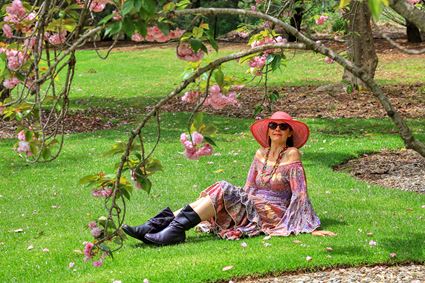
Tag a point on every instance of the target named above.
point(175, 232)
point(153, 225)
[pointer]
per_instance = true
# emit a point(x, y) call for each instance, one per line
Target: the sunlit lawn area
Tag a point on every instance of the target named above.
point(46, 201)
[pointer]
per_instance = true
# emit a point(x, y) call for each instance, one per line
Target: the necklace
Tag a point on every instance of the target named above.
point(279, 157)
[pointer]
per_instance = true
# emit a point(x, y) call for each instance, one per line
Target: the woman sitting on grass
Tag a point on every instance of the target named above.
point(273, 201)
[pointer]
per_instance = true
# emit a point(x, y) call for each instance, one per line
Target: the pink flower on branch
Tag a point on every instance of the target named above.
point(88, 251)
point(192, 149)
point(185, 52)
point(15, 59)
point(102, 192)
point(7, 30)
point(21, 135)
point(11, 82)
point(57, 38)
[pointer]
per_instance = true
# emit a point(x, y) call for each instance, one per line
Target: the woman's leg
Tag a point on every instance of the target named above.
point(203, 207)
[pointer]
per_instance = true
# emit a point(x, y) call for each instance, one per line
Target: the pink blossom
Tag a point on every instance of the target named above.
point(117, 16)
point(253, 8)
point(237, 87)
point(15, 12)
point(176, 33)
point(96, 232)
point(329, 60)
point(413, 2)
point(183, 138)
point(88, 251)
point(15, 59)
point(258, 1)
point(137, 37)
point(102, 192)
point(97, 263)
point(92, 224)
point(321, 20)
point(11, 82)
point(7, 30)
point(24, 147)
point(205, 150)
point(185, 52)
point(191, 96)
point(21, 135)
point(57, 38)
point(97, 6)
point(197, 138)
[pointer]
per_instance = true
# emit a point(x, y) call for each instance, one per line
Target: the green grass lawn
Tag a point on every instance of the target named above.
point(141, 77)
point(53, 210)
point(46, 201)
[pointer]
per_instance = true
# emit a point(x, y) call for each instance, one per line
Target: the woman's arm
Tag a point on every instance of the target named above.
point(252, 173)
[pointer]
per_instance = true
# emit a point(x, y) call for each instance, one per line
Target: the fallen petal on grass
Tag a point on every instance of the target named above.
point(296, 242)
point(308, 258)
point(372, 243)
point(18, 230)
point(227, 267)
point(244, 245)
point(266, 238)
point(45, 250)
point(393, 255)
point(329, 249)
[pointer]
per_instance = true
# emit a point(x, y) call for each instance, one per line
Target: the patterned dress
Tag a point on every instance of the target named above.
point(276, 205)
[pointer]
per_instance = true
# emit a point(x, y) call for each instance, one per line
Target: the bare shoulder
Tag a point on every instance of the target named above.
point(260, 153)
point(292, 154)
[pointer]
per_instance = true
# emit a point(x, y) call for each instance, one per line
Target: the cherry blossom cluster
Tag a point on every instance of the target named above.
point(89, 253)
point(155, 34)
point(257, 63)
point(216, 99)
point(185, 52)
point(96, 6)
point(195, 148)
point(15, 16)
point(414, 2)
point(102, 192)
point(23, 144)
point(321, 20)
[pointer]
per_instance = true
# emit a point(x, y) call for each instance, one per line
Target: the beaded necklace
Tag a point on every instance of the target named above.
point(279, 157)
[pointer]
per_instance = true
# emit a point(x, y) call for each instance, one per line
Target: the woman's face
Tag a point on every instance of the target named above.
point(277, 134)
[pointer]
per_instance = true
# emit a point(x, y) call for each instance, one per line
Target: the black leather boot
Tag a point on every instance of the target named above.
point(153, 225)
point(175, 232)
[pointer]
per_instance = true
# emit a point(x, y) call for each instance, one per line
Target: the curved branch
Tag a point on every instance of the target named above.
point(404, 130)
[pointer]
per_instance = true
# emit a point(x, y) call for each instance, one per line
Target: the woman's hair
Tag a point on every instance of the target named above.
point(289, 141)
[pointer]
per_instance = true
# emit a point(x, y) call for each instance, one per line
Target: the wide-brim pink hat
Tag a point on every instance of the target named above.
point(259, 129)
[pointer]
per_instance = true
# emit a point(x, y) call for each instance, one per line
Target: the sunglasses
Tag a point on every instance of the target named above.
point(282, 127)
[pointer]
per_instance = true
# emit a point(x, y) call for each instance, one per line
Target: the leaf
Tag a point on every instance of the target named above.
point(127, 7)
point(197, 32)
point(375, 8)
point(149, 6)
point(210, 141)
point(343, 3)
point(141, 27)
point(209, 130)
point(197, 120)
point(106, 19)
point(196, 44)
point(46, 153)
point(128, 26)
point(164, 27)
point(88, 179)
point(125, 193)
point(154, 165)
point(219, 77)
point(146, 185)
point(219, 171)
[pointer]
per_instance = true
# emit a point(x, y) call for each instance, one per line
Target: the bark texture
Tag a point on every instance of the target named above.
point(409, 12)
point(360, 44)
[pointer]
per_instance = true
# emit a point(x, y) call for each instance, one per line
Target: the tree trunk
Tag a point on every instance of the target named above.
point(413, 33)
point(296, 20)
point(361, 48)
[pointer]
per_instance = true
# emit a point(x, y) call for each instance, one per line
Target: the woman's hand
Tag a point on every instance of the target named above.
point(323, 233)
